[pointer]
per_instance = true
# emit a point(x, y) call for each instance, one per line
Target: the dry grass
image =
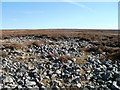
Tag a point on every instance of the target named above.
point(55, 33)
point(13, 45)
point(114, 56)
point(81, 60)
point(3, 54)
point(33, 42)
point(104, 39)
point(96, 50)
point(82, 72)
point(65, 58)
point(24, 45)
point(100, 49)
point(51, 43)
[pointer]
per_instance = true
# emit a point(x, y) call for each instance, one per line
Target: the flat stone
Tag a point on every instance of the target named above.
point(78, 85)
point(30, 83)
point(58, 72)
point(8, 79)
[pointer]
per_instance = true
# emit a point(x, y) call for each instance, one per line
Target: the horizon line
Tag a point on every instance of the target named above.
point(61, 29)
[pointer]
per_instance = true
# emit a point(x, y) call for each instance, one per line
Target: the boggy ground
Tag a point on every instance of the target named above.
point(63, 59)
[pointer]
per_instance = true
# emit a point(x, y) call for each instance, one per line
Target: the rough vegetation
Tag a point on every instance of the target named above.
point(67, 59)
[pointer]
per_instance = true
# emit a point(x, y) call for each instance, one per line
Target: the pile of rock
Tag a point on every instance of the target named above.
point(42, 66)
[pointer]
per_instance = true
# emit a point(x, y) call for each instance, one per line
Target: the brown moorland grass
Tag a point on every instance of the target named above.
point(114, 56)
point(24, 45)
point(3, 53)
point(110, 38)
point(103, 39)
point(83, 34)
point(56, 33)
